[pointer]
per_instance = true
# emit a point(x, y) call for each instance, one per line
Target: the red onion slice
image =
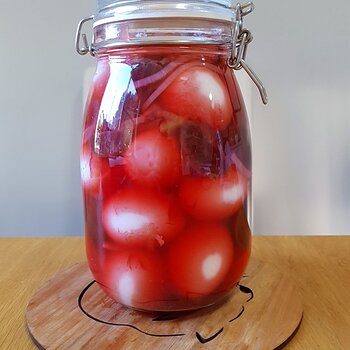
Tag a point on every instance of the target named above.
point(157, 76)
point(245, 172)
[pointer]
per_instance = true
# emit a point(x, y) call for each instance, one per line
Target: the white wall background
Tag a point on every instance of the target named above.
point(301, 50)
point(41, 116)
point(302, 139)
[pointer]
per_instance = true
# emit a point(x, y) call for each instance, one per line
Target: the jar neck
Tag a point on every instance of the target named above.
point(153, 32)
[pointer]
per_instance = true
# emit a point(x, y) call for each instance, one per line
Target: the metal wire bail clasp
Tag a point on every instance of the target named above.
point(241, 37)
point(86, 47)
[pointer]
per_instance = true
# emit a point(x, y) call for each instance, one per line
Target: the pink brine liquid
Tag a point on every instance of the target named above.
point(166, 174)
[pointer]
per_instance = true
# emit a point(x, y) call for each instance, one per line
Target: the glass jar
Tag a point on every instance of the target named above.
point(166, 155)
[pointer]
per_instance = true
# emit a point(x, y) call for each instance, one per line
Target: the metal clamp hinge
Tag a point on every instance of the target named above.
point(241, 37)
point(81, 42)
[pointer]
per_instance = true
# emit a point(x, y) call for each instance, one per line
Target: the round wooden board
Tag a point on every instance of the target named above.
point(71, 312)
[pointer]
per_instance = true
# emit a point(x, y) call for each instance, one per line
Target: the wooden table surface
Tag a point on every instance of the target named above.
point(320, 266)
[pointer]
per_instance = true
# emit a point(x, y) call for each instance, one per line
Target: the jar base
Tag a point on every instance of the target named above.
point(177, 311)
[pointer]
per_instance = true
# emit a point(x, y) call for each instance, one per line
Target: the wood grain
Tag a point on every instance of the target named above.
point(262, 319)
point(25, 263)
point(319, 266)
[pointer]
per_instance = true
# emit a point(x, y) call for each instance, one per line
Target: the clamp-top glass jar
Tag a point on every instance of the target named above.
point(166, 157)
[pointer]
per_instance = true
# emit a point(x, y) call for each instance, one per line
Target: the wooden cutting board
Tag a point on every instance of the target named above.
point(71, 312)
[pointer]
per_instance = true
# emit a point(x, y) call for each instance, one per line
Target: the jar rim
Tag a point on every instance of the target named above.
point(116, 11)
